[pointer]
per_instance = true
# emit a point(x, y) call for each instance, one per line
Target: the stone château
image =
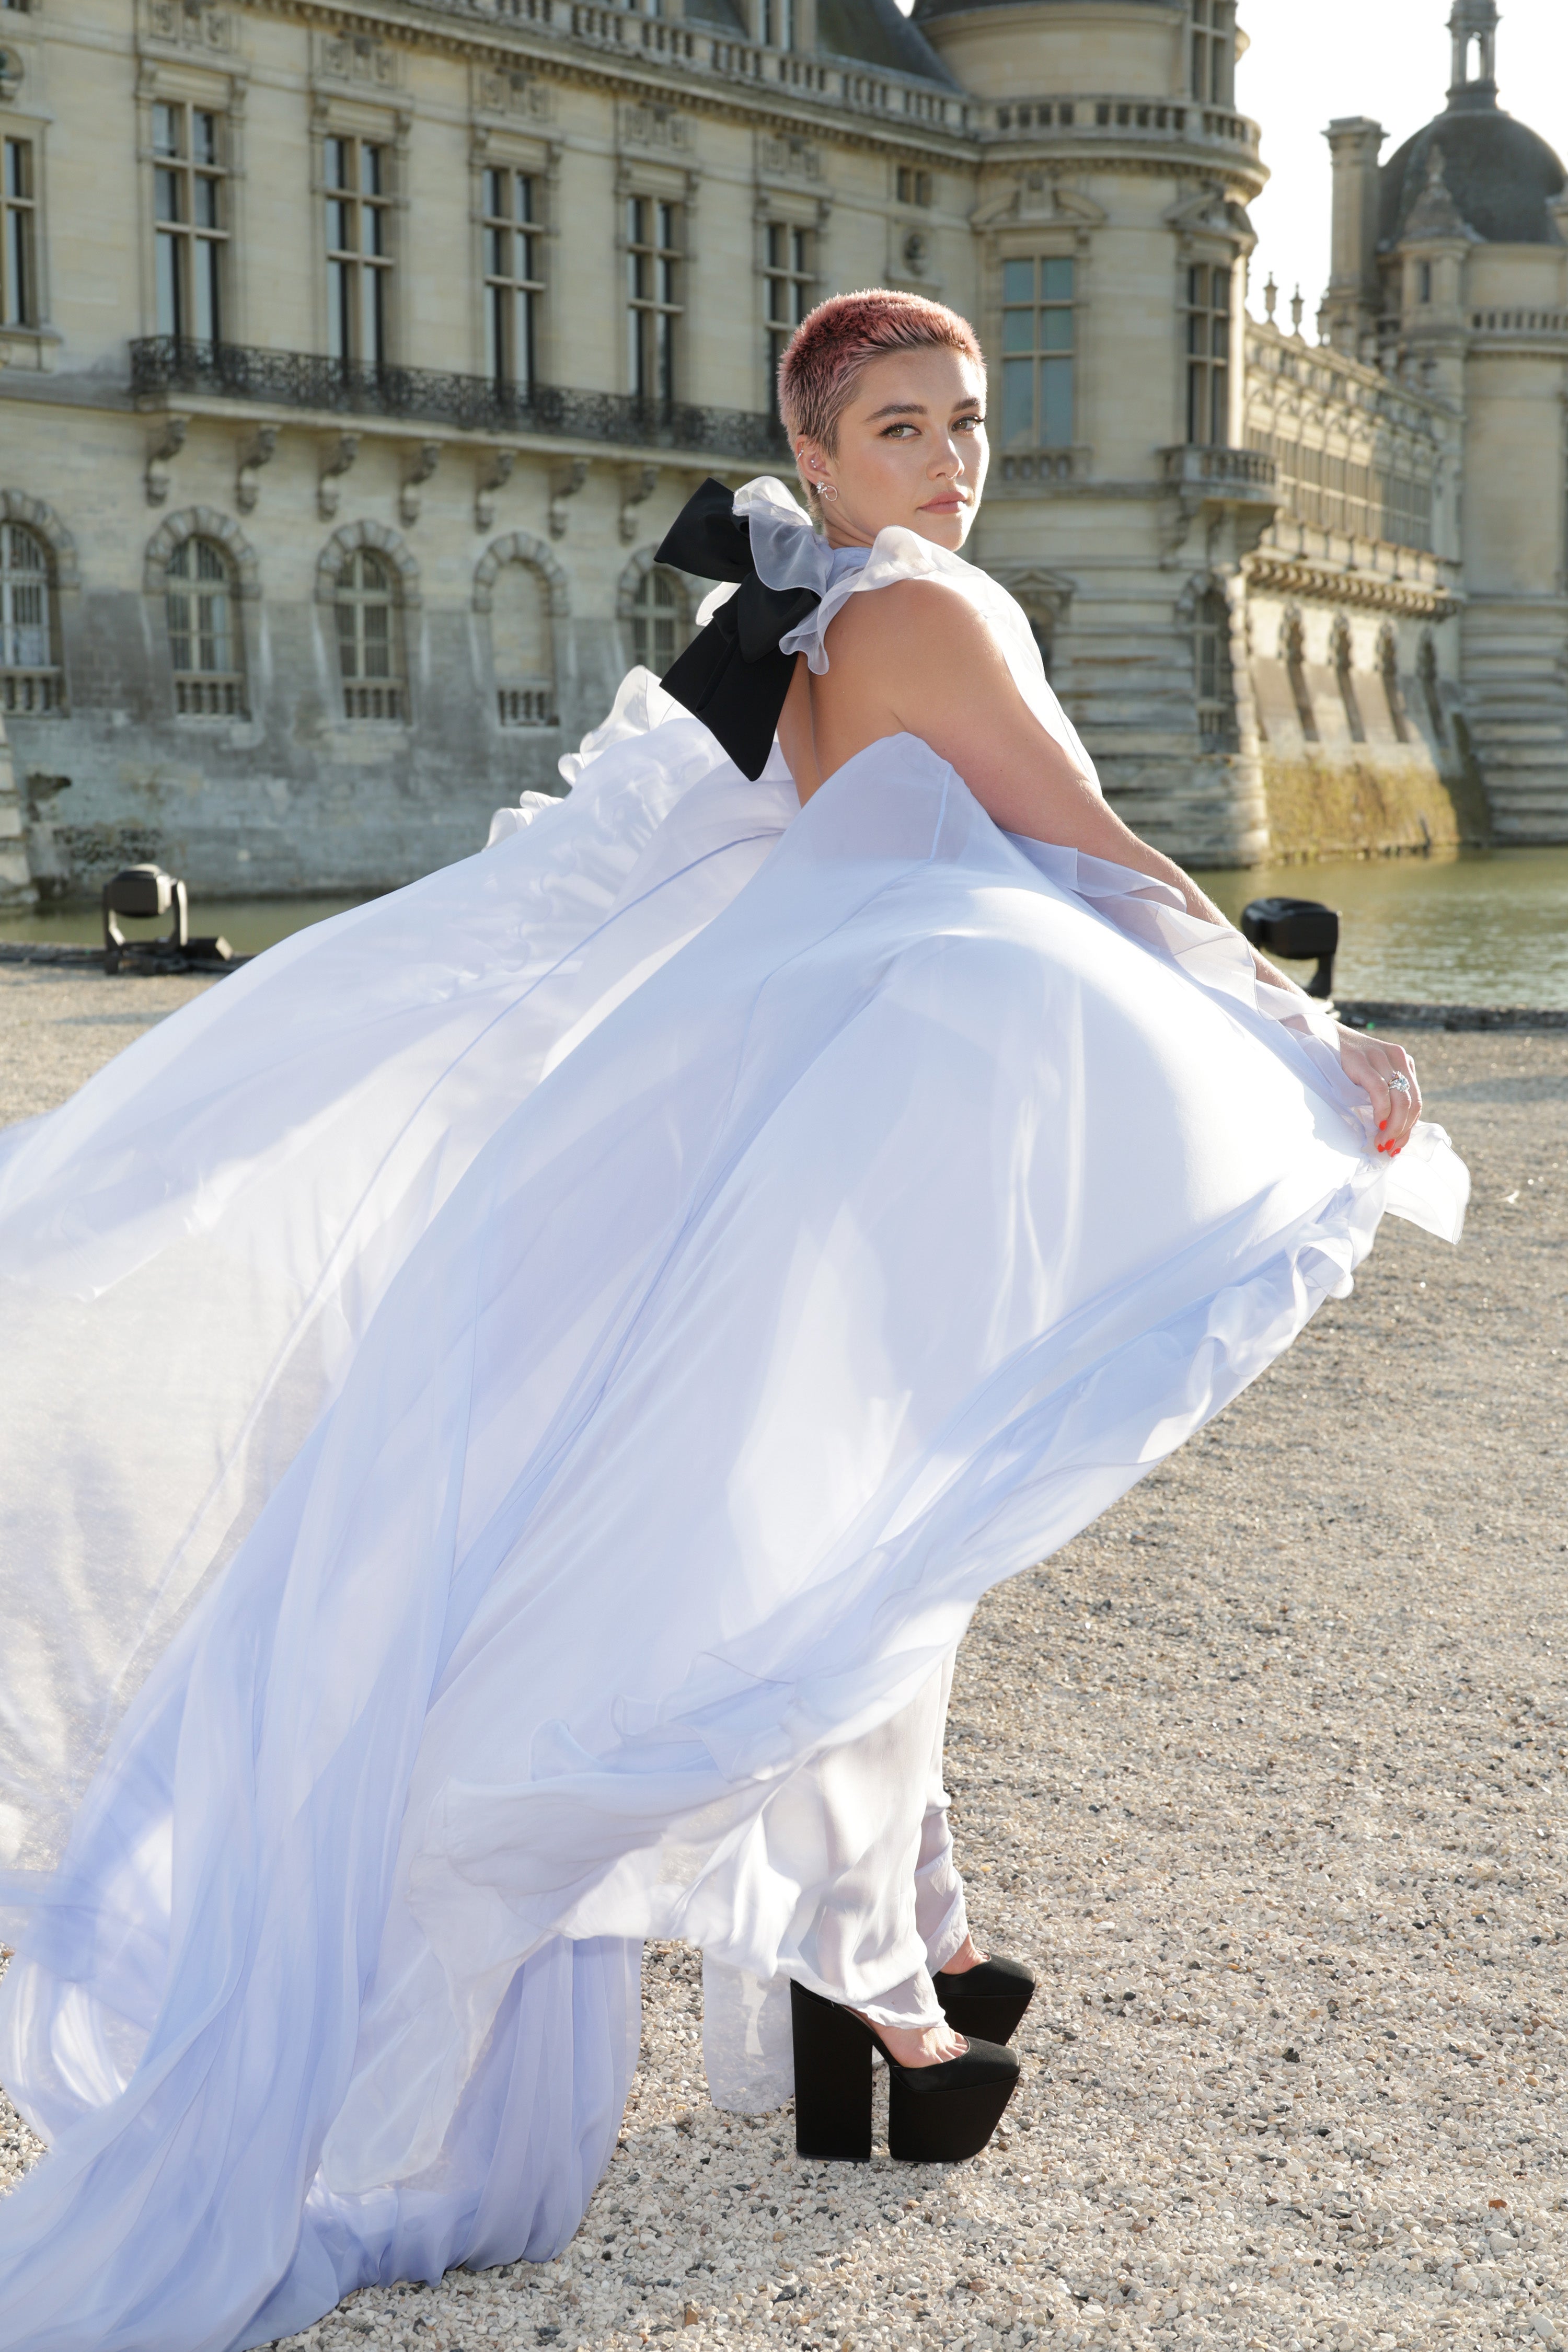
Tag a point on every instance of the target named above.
point(356, 354)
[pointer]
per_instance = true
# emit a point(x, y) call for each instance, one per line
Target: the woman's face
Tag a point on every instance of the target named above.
point(912, 450)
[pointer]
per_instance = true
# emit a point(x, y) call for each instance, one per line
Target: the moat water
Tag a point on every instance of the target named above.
point(1486, 927)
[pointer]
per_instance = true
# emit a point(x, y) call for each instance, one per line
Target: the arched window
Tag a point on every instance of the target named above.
point(209, 679)
point(29, 675)
point(370, 637)
point(1426, 671)
point(1343, 654)
point(660, 620)
point(523, 646)
point(1215, 680)
point(1388, 671)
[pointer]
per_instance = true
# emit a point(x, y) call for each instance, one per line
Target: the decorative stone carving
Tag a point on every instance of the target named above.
point(638, 483)
point(164, 446)
point(661, 128)
point(788, 159)
point(494, 473)
point(189, 25)
point(359, 59)
point(253, 454)
point(351, 536)
point(509, 91)
point(427, 458)
point(565, 480)
point(329, 489)
point(200, 522)
point(521, 547)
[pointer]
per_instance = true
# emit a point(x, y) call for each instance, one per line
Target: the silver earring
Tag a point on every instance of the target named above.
point(825, 490)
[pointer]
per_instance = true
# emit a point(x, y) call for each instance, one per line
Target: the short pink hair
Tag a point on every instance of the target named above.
point(833, 344)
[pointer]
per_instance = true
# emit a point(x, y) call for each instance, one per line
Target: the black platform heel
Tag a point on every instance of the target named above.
point(988, 2000)
point(936, 2115)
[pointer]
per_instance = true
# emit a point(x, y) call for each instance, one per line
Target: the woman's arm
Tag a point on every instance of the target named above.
point(917, 657)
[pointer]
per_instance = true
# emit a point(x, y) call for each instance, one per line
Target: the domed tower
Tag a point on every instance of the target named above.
point(1110, 234)
point(1450, 270)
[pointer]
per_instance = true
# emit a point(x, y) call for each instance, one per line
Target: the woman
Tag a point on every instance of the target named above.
point(513, 1400)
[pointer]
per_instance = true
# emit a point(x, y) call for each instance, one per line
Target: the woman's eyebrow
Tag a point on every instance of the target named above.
point(898, 408)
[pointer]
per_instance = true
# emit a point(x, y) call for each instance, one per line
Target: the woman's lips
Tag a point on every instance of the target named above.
point(951, 504)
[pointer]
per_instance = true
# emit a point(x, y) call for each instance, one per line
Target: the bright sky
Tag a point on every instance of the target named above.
point(1387, 58)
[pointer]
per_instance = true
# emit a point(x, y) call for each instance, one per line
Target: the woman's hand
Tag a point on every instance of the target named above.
point(1386, 1075)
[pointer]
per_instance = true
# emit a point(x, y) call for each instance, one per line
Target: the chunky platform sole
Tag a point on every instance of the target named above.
point(936, 2115)
point(987, 2002)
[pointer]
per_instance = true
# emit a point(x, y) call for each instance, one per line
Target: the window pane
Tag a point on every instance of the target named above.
point(204, 268)
point(166, 130)
point(19, 172)
point(1018, 330)
point(337, 162)
point(524, 209)
point(204, 137)
point(339, 231)
point(17, 271)
point(1055, 402)
point(167, 195)
point(1056, 281)
point(337, 311)
point(1017, 281)
point(1058, 326)
point(666, 225)
point(168, 277)
point(1017, 402)
point(370, 171)
point(496, 192)
point(207, 202)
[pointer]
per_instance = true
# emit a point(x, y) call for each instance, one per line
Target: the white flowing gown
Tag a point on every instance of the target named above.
point(499, 1397)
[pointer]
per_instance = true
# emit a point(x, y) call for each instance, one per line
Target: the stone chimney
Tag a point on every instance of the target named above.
point(1349, 307)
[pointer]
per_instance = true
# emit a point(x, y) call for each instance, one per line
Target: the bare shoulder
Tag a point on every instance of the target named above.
point(916, 615)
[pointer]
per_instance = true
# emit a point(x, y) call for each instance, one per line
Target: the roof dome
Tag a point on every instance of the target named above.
point(1474, 160)
point(1498, 174)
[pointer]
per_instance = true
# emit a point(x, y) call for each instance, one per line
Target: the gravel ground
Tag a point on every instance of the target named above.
point(1263, 1776)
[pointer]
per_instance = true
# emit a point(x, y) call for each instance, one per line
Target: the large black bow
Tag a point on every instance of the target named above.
point(733, 676)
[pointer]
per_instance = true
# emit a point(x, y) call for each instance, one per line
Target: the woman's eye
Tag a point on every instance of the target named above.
point(970, 424)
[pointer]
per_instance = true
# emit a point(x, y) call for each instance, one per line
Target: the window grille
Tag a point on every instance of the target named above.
point(18, 236)
point(30, 684)
point(513, 278)
point(359, 251)
point(1208, 354)
point(1038, 341)
point(653, 289)
point(208, 679)
point(522, 646)
point(189, 206)
point(790, 280)
point(369, 638)
point(1214, 52)
point(1214, 677)
point(660, 621)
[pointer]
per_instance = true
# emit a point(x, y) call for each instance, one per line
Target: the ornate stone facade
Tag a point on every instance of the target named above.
point(358, 352)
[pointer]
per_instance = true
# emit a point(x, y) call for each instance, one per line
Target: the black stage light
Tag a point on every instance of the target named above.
point(1294, 927)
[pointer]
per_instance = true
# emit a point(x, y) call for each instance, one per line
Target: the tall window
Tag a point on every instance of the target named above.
point(29, 679)
point(790, 278)
point(1208, 354)
point(359, 250)
point(523, 643)
point(369, 639)
point(18, 236)
point(1214, 51)
point(1214, 677)
point(660, 623)
point(653, 264)
point(188, 205)
point(1038, 355)
point(778, 24)
point(513, 282)
point(208, 681)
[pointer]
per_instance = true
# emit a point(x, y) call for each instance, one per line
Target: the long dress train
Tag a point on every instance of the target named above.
point(496, 1396)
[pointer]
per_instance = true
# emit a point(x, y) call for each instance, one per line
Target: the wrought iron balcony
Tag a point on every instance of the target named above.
point(165, 364)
